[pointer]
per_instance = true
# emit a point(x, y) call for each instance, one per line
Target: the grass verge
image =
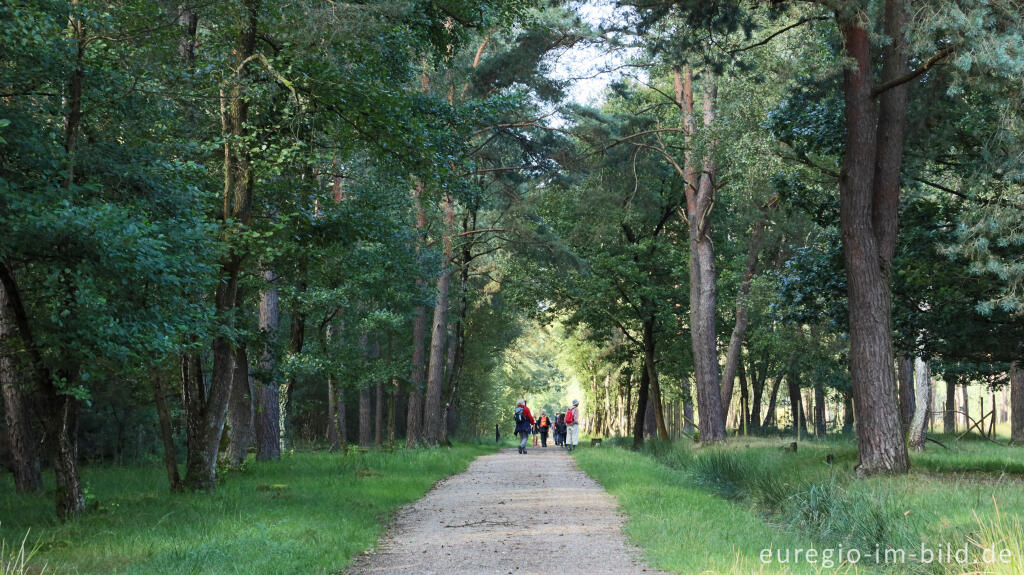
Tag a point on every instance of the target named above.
point(309, 513)
point(967, 497)
point(681, 527)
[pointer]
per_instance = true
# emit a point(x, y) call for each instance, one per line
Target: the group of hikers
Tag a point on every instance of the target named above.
point(566, 426)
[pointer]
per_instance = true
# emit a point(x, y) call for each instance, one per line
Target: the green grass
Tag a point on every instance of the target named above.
point(951, 496)
point(309, 513)
point(682, 527)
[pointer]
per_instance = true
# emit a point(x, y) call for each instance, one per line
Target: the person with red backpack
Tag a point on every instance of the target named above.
point(524, 423)
point(543, 425)
point(572, 425)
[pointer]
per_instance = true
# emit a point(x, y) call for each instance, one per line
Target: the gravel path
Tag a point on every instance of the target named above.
point(509, 513)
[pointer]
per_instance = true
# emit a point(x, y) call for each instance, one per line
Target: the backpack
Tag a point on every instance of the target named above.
point(519, 417)
point(570, 416)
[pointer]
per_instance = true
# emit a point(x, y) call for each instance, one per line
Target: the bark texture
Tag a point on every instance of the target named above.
point(700, 199)
point(240, 411)
point(869, 195)
point(267, 418)
point(13, 385)
point(166, 428)
point(905, 373)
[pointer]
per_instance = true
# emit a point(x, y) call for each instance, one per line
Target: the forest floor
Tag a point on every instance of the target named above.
point(509, 513)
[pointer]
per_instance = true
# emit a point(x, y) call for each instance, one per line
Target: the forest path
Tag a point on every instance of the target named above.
point(509, 513)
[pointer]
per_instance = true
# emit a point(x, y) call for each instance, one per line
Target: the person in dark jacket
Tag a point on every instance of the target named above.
point(560, 429)
point(524, 423)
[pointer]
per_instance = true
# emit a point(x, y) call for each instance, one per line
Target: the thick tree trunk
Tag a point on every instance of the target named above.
point(166, 429)
point(365, 423)
point(267, 418)
point(700, 192)
point(641, 409)
point(868, 213)
point(13, 385)
point(652, 378)
point(240, 411)
point(1016, 403)
point(209, 409)
point(905, 375)
point(923, 384)
point(433, 418)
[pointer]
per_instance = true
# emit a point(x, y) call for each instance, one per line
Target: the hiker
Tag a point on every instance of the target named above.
point(572, 425)
point(544, 425)
point(524, 422)
point(560, 429)
point(536, 433)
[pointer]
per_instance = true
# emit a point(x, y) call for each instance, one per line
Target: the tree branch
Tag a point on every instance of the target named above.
point(929, 64)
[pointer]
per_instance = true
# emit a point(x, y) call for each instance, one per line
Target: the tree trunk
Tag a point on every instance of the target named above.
point(641, 409)
point(1016, 403)
point(652, 378)
point(414, 419)
point(1004, 402)
point(365, 422)
point(770, 419)
point(392, 404)
point(949, 415)
point(209, 409)
point(744, 412)
point(240, 411)
point(739, 329)
point(923, 384)
point(378, 415)
point(688, 427)
point(333, 432)
point(757, 382)
point(905, 375)
point(268, 415)
point(700, 192)
point(966, 406)
point(296, 341)
point(796, 403)
point(433, 418)
point(868, 221)
point(23, 443)
point(166, 429)
point(819, 410)
point(848, 415)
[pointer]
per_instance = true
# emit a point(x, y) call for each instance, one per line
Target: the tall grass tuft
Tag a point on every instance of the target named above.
point(19, 560)
point(722, 472)
point(992, 537)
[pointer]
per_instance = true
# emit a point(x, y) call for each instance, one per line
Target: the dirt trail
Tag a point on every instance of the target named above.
point(509, 513)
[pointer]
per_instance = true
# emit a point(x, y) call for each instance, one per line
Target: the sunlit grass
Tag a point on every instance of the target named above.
point(309, 513)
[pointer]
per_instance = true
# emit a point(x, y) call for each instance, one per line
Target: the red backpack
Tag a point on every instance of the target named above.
point(570, 417)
